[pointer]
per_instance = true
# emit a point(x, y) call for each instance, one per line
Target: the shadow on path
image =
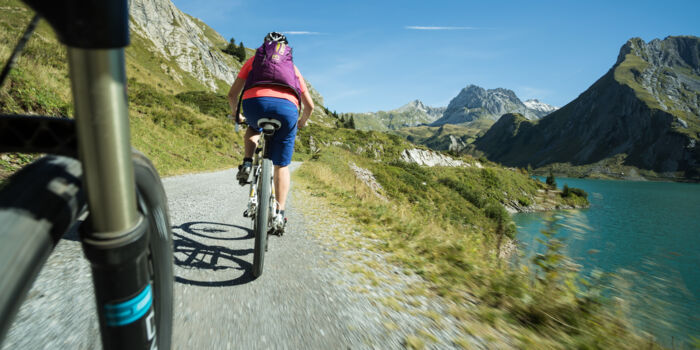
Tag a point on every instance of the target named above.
point(210, 230)
point(193, 255)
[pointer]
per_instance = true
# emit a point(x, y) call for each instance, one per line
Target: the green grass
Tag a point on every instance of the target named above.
point(445, 224)
point(206, 102)
point(629, 72)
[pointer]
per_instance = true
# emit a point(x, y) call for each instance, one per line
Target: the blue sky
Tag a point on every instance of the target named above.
point(378, 55)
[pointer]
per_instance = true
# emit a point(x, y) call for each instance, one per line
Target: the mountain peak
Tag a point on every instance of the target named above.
point(663, 73)
point(474, 102)
point(417, 103)
point(540, 108)
point(671, 51)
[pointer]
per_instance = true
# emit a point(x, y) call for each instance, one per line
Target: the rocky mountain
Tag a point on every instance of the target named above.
point(183, 39)
point(411, 114)
point(644, 111)
point(417, 107)
point(540, 109)
point(471, 104)
point(474, 102)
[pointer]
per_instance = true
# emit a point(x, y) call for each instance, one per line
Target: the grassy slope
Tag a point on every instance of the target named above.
point(175, 134)
point(438, 137)
point(445, 224)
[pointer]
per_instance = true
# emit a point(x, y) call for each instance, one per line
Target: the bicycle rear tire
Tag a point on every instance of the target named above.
point(43, 201)
point(262, 217)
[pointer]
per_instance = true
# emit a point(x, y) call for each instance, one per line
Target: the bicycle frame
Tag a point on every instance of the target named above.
point(114, 237)
point(261, 152)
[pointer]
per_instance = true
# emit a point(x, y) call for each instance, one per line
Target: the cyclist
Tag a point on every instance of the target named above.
point(271, 86)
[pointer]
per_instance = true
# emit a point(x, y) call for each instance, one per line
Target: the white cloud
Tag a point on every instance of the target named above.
point(438, 28)
point(292, 32)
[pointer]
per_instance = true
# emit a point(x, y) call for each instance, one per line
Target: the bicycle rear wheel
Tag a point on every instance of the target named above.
point(262, 217)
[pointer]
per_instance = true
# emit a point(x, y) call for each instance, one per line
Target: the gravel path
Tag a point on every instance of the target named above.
point(315, 292)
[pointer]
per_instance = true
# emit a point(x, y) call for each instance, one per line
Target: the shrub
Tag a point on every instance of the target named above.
point(207, 102)
point(524, 201)
point(550, 180)
point(568, 191)
point(470, 194)
point(495, 211)
point(490, 179)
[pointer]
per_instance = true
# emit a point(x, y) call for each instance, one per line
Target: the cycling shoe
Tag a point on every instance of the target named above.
point(244, 172)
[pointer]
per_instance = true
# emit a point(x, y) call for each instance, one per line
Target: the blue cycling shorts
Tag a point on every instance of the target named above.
point(283, 110)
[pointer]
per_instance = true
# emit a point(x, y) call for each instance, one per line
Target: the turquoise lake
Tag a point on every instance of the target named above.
point(648, 234)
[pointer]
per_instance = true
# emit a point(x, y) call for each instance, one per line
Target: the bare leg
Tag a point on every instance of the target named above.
point(281, 185)
point(250, 141)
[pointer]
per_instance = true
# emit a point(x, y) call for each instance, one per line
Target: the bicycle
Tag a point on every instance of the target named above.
point(91, 169)
point(261, 199)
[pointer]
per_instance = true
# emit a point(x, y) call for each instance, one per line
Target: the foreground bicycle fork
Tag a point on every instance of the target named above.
point(114, 239)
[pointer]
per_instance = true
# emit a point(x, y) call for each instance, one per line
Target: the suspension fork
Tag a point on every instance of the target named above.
point(115, 239)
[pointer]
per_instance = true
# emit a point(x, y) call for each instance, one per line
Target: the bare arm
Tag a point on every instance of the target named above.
point(308, 107)
point(234, 93)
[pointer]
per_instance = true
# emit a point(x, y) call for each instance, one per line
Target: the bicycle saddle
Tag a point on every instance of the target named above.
point(268, 125)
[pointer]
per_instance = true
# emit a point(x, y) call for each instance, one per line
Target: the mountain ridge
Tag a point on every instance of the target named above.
point(638, 109)
point(410, 114)
point(472, 103)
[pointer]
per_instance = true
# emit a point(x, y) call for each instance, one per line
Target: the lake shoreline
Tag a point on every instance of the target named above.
point(646, 227)
point(547, 200)
point(612, 172)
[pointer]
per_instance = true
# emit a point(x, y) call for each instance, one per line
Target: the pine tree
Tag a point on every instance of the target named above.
point(240, 52)
point(230, 48)
point(550, 180)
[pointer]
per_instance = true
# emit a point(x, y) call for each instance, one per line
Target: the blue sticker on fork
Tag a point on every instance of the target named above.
point(129, 311)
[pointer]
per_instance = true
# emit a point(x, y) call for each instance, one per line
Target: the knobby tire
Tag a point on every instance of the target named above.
point(261, 217)
point(153, 205)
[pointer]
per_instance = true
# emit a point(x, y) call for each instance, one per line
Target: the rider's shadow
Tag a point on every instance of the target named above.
point(196, 258)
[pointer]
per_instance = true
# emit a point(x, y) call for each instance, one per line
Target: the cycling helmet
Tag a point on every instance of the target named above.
point(275, 36)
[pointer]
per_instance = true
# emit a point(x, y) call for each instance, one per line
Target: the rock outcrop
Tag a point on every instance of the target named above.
point(178, 38)
point(368, 179)
point(430, 158)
